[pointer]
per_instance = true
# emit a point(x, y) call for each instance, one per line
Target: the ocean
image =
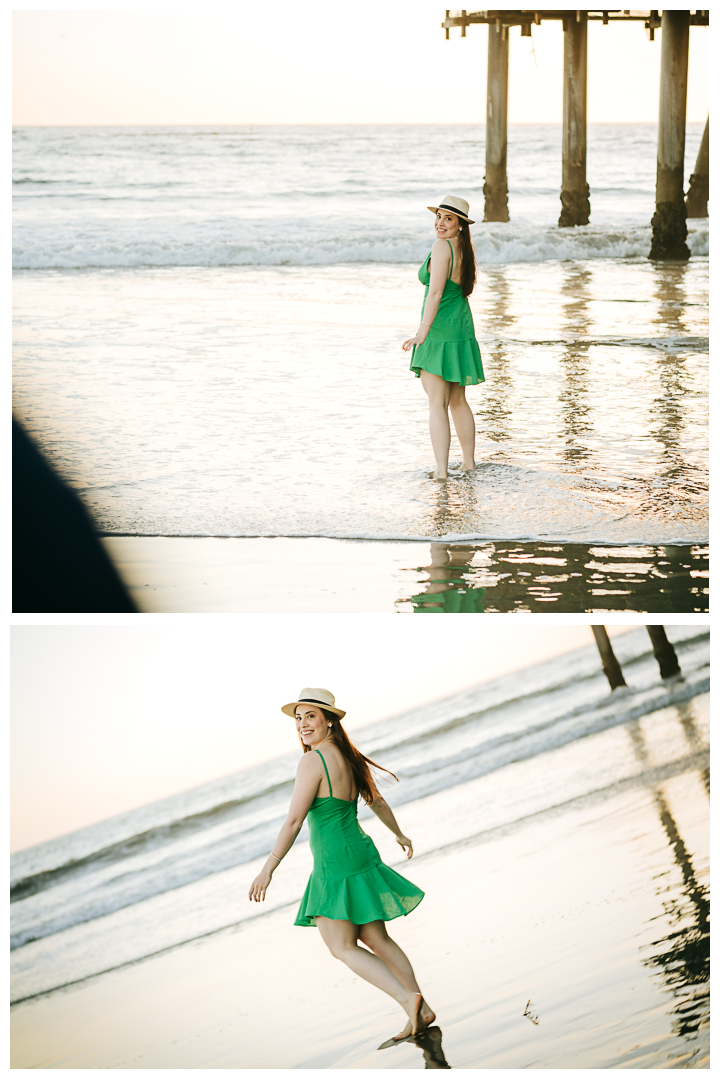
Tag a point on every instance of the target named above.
point(208, 326)
point(478, 765)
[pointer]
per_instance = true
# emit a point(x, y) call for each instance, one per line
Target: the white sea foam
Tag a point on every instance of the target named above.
point(494, 244)
point(310, 197)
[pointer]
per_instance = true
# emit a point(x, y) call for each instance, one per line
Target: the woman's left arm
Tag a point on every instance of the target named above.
point(381, 809)
point(307, 782)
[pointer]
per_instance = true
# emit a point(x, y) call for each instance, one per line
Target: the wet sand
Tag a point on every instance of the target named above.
point(573, 938)
point(317, 574)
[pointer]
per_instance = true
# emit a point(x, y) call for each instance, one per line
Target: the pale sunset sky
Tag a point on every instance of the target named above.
point(107, 718)
point(284, 62)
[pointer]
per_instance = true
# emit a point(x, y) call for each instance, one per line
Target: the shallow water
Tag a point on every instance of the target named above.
point(260, 401)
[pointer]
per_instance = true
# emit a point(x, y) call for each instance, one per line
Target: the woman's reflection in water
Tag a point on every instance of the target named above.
point(452, 507)
point(430, 1042)
point(448, 590)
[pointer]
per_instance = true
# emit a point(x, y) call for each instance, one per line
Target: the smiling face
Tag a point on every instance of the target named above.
point(311, 725)
point(447, 225)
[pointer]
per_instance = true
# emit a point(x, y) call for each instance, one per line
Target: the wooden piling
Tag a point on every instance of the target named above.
point(610, 664)
point(495, 188)
point(669, 228)
point(664, 652)
point(699, 190)
point(575, 193)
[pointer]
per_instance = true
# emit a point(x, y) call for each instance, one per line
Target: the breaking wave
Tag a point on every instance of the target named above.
point(145, 245)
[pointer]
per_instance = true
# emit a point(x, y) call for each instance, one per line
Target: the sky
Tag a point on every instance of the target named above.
point(282, 62)
point(107, 718)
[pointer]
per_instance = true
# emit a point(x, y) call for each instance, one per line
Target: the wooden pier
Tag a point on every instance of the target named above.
point(669, 229)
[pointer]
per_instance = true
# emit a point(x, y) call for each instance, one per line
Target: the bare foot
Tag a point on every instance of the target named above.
point(469, 468)
point(425, 1018)
point(420, 1019)
point(405, 1033)
point(437, 476)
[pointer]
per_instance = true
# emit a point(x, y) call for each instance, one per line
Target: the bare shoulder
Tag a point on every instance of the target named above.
point(308, 766)
point(440, 251)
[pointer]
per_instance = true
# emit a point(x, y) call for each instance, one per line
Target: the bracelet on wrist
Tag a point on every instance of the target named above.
point(275, 856)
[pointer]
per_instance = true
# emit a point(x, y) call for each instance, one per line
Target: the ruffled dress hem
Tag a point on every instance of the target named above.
point(377, 893)
point(453, 361)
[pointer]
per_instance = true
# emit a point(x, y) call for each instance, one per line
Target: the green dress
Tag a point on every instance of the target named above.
point(450, 350)
point(349, 879)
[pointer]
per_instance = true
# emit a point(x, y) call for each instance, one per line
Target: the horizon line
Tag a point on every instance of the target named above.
point(334, 123)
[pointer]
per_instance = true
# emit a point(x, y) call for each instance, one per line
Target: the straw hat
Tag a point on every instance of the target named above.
point(313, 695)
point(455, 206)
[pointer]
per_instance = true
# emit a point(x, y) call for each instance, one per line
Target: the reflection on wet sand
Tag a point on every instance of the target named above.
point(430, 1042)
point(682, 957)
point(505, 576)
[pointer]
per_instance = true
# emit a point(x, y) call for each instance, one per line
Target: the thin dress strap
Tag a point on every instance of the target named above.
point(452, 259)
point(326, 772)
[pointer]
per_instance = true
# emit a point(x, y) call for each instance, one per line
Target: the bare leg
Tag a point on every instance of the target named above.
point(341, 936)
point(438, 392)
point(464, 422)
point(376, 937)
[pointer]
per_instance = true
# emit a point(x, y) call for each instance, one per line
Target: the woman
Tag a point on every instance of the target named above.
point(445, 353)
point(351, 892)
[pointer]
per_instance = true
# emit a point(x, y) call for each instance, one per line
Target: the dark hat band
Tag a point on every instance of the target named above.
point(314, 701)
point(453, 210)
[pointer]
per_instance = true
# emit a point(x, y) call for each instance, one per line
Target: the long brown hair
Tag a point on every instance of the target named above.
point(359, 764)
point(468, 267)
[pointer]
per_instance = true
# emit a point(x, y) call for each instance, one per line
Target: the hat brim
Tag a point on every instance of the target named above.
point(457, 213)
point(289, 709)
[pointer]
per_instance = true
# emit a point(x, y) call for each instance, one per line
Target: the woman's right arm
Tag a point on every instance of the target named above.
point(307, 782)
point(439, 273)
point(381, 809)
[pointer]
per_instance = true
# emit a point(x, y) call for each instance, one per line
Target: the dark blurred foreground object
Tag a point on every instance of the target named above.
point(59, 564)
